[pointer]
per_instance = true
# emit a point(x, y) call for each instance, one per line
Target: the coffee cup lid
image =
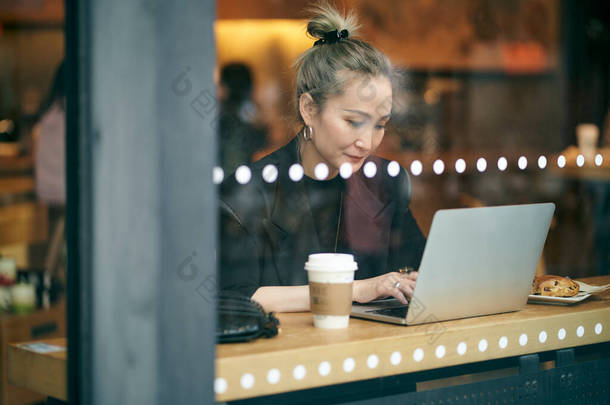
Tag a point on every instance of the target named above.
point(331, 262)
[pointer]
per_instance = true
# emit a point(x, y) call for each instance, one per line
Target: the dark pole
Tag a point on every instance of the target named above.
point(141, 203)
point(78, 202)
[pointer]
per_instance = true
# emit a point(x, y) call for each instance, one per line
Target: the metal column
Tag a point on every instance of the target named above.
point(141, 203)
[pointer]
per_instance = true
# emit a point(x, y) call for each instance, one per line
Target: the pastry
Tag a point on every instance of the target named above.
point(554, 286)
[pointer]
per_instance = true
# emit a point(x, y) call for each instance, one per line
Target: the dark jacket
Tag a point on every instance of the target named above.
point(267, 229)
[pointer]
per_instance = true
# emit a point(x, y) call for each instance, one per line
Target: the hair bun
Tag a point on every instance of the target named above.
point(327, 19)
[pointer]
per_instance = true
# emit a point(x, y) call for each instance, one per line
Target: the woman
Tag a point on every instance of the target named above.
point(270, 224)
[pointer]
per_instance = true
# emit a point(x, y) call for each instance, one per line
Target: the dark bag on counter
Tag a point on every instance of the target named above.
point(241, 319)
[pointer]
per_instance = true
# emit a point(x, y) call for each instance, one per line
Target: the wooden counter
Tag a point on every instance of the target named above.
point(43, 373)
point(378, 349)
point(303, 357)
point(41, 324)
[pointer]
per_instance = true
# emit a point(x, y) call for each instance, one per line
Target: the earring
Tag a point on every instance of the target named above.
point(306, 136)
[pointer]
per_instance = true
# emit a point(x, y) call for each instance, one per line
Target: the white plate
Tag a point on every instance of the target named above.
point(542, 299)
point(586, 291)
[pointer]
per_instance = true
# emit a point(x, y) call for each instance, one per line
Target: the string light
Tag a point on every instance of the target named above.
point(243, 174)
point(370, 169)
point(321, 171)
point(270, 173)
point(217, 175)
point(460, 165)
point(346, 170)
point(295, 172)
point(542, 162)
point(416, 168)
point(502, 164)
point(438, 166)
point(393, 168)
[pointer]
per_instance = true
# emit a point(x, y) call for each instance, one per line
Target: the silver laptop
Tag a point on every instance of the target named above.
point(477, 261)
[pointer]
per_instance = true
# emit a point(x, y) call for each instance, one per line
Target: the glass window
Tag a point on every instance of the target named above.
point(492, 104)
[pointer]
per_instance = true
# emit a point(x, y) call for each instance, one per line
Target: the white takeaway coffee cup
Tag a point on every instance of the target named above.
point(331, 277)
point(587, 135)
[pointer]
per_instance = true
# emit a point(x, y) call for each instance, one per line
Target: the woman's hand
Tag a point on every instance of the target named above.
point(397, 285)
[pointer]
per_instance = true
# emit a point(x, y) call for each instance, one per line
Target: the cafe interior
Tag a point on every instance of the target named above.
point(121, 123)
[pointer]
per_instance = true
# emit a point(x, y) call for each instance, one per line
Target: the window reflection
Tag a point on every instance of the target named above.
point(480, 114)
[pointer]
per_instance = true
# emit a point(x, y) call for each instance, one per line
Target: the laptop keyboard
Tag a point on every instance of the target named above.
point(399, 312)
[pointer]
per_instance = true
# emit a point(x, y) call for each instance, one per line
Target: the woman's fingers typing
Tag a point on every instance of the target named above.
point(400, 287)
point(404, 291)
point(394, 284)
point(407, 288)
point(399, 296)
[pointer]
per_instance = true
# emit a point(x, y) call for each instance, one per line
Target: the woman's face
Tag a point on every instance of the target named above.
point(351, 125)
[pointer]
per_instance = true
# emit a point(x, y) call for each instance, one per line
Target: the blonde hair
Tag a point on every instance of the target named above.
point(317, 68)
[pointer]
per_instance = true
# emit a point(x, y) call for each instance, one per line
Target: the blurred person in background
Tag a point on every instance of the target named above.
point(50, 143)
point(240, 132)
point(49, 147)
